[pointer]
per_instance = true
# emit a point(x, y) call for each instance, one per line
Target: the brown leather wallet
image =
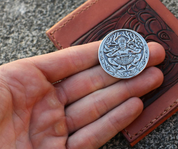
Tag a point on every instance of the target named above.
point(96, 18)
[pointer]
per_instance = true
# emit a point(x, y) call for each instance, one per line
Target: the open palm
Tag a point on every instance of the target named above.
point(86, 109)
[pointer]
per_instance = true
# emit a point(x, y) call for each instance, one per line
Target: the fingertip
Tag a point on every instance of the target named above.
point(136, 106)
point(150, 79)
point(160, 76)
point(157, 53)
point(157, 76)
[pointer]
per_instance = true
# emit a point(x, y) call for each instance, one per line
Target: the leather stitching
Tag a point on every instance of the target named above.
point(70, 19)
point(153, 121)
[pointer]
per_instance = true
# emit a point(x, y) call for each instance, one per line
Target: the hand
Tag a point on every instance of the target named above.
point(84, 110)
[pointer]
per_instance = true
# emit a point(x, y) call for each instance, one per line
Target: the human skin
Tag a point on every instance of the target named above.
point(85, 110)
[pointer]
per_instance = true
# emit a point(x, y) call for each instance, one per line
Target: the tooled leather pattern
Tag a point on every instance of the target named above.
point(139, 16)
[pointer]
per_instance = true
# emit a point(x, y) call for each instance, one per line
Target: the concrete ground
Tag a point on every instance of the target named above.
point(23, 24)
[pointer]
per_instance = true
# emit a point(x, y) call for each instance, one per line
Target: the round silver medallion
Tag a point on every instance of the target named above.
point(123, 53)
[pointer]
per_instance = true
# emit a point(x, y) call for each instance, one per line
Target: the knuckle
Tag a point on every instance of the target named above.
point(100, 107)
point(97, 80)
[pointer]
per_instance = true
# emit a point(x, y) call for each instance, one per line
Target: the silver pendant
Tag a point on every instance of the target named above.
point(123, 53)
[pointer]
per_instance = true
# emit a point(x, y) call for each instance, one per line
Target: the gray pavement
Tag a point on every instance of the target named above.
point(23, 24)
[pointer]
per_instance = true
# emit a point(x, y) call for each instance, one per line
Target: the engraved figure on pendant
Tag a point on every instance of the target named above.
point(122, 52)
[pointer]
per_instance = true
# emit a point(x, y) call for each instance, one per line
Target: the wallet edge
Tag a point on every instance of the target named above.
point(69, 32)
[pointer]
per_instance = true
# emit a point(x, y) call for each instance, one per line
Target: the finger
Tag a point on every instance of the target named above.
point(95, 105)
point(58, 65)
point(88, 81)
point(157, 53)
point(99, 132)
